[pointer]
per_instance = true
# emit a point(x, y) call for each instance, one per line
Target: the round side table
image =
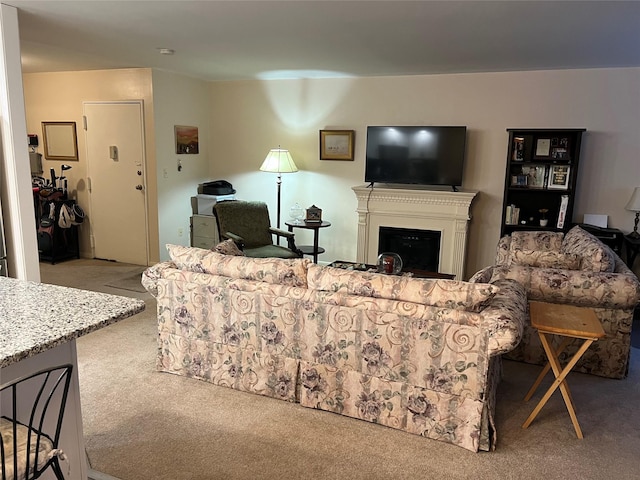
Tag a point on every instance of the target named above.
point(314, 249)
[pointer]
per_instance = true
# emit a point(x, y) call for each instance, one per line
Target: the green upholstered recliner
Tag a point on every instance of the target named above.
point(248, 225)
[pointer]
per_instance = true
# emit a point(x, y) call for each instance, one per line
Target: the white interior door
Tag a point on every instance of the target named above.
point(116, 166)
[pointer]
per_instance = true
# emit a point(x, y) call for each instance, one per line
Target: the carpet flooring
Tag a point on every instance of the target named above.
point(141, 424)
point(130, 282)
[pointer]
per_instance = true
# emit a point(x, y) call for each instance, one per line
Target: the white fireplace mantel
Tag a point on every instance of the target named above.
point(443, 211)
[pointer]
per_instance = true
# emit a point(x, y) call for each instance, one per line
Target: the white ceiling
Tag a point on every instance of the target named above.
point(238, 39)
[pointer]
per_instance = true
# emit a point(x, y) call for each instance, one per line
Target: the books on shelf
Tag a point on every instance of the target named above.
point(512, 215)
point(562, 213)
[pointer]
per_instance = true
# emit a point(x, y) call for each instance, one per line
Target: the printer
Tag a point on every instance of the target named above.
point(209, 194)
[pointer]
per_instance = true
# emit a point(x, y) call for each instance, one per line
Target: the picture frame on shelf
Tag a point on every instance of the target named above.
point(543, 147)
point(559, 177)
point(559, 153)
point(337, 144)
point(518, 149)
point(518, 180)
point(536, 175)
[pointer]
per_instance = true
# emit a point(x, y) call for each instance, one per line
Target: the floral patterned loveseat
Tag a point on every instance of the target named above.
point(575, 269)
point(417, 355)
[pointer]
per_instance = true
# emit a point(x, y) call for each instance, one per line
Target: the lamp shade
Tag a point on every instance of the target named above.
point(634, 201)
point(279, 161)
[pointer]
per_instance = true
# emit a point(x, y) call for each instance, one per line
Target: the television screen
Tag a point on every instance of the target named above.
point(415, 155)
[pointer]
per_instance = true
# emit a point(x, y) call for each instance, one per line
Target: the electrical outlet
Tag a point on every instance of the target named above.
point(165, 173)
point(180, 231)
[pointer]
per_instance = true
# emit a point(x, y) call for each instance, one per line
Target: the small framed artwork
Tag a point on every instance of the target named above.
point(559, 177)
point(186, 139)
point(559, 153)
point(543, 147)
point(535, 175)
point(518, 149)
point(519, 180)
point(337, 144)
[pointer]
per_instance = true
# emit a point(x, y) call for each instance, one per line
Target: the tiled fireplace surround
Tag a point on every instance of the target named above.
point(442, 211)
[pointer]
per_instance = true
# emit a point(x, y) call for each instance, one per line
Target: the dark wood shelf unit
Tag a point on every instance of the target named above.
point(542, 167)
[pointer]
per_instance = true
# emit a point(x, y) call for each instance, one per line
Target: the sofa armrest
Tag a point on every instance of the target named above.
point(502, 250)
point(482, 276)
point(574, 287)
point(505, 316)
point(152, 274)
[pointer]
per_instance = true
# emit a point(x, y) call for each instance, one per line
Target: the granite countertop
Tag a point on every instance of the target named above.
point(35, 317)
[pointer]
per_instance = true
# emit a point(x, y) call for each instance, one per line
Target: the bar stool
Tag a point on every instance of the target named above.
point(37, 403)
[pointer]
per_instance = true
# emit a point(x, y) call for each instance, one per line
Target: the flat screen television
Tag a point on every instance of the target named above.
point(415, 155)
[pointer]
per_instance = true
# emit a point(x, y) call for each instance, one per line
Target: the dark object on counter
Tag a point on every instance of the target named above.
point(218, 187)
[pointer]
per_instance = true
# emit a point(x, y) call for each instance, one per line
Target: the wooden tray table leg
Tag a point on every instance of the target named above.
point(559, 382)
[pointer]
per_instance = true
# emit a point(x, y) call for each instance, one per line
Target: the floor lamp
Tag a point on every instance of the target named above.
point(634, 206)
point(279, 161)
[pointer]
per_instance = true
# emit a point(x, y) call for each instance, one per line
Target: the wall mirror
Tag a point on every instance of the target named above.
point(60, 140)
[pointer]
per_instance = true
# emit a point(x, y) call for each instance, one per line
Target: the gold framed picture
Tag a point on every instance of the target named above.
point(60, 140)
point(337, 144)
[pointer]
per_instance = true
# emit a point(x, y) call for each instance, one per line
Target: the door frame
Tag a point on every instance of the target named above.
point(140, 104)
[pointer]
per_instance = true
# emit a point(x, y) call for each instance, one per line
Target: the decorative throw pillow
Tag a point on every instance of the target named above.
point(596, 256)
point(542, 259)
point(228, 247)
point(543, 241)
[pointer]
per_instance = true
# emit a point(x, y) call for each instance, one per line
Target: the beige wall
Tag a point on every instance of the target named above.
point(59, 97)
point(169, 100)
point(250, 117)
point(240, 121)
point(178, 100)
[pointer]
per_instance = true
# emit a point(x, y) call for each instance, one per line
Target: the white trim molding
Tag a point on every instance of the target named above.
point(443, 211)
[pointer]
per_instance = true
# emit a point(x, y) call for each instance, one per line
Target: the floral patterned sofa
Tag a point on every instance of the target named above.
point(575, 269)
point(417, 355)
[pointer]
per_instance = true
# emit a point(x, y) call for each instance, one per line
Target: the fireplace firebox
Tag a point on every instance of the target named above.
point(419, 249)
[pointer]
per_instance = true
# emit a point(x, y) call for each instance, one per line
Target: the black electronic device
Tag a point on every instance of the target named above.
point(218, 187)
point(416, 155)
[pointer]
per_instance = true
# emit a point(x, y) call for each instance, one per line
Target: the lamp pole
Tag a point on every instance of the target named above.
point(279, 182)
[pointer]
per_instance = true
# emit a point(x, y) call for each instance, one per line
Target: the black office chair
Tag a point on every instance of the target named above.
point(36, 403)
point(248, 225)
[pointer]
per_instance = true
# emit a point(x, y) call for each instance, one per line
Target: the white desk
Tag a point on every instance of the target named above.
point(38, 327)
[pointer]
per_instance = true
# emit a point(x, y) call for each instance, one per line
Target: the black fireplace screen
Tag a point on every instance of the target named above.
point(419, 249)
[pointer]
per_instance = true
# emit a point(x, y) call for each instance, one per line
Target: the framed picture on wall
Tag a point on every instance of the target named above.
point(60, 140)
point(336, 144)
point(186, 139)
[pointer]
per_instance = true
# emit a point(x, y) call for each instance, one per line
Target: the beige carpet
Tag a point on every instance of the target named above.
point(130, 282)
point(140, 424)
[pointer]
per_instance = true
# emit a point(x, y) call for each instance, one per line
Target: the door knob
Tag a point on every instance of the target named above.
point(138, 187)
